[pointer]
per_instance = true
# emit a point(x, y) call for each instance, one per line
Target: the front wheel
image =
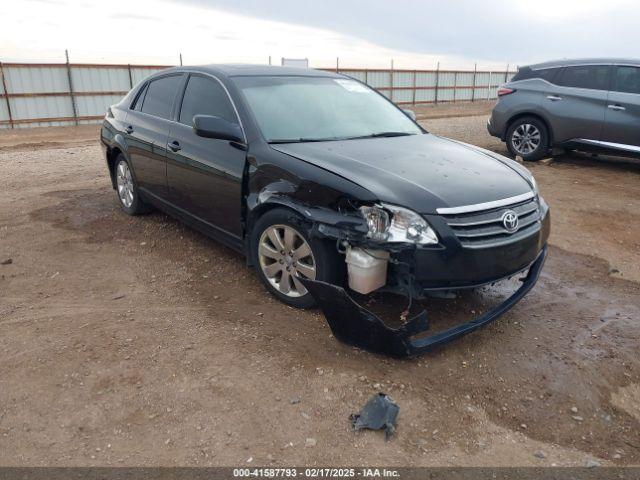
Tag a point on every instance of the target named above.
point(528, 138)
point(283, 252)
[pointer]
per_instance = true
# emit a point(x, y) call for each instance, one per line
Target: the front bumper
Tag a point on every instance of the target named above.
point(355, 325)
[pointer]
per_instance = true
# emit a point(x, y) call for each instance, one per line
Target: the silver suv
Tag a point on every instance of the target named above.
point(589, 105)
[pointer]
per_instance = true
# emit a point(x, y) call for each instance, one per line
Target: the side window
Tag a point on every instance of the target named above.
point(137, 105)
point(158, 100)
point(204, 96)
point(626, 79)
point(526, 73)
point(548, 74)
point(594, 77)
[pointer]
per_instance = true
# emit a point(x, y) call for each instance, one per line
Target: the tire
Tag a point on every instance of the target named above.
point(528, 138)
point(289, 232)
point(127, 188)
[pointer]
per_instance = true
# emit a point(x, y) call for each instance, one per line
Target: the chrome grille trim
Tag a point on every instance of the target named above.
point(484, 229)
point(486, 205)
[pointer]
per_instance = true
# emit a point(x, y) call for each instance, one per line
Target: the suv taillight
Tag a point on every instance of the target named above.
point(505, 91)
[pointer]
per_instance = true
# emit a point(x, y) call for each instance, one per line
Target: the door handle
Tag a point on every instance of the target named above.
point(129, 129)
point(618, 108)
point(175, 146)
point(554, 98)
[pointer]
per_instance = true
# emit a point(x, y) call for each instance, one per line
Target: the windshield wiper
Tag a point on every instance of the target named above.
point(333, 139)
point(382, 134)
point(303, 140)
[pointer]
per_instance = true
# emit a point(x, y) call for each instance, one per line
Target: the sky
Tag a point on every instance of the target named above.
point(412, 33)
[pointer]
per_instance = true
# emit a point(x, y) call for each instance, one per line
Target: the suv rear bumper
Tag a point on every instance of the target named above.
point(493, 131)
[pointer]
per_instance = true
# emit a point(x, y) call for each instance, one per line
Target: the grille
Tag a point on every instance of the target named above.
point(485, 229)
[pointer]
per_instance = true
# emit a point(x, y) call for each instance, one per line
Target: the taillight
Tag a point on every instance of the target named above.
point(505, 91)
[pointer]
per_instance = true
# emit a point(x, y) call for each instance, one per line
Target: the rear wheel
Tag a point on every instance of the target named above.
point(127, 188)
point(283, 252)
point(528, 138)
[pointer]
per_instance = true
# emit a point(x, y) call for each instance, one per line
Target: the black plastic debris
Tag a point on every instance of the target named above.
point(379, 413)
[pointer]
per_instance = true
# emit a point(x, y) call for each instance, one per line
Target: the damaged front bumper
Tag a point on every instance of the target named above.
point(355, 325)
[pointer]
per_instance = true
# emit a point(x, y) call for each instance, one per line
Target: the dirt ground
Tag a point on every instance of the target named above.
point(137, 341)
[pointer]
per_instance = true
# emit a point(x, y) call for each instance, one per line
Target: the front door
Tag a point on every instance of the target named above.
point(204, 175)
point(622, 117)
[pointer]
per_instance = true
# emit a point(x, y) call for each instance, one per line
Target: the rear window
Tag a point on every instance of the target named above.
point(594, 77)
point(526, 73)
point(158, 101)
point(626, 79)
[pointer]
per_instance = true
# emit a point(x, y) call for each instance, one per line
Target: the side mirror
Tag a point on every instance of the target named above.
point(410, 113)
point(209, 126)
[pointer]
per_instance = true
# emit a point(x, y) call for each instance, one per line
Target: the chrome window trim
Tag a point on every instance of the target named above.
point(233, 104)
point(486, 205)
point(617, 146)
point(188, 72)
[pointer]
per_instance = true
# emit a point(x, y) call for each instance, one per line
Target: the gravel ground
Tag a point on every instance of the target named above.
point(137, 341)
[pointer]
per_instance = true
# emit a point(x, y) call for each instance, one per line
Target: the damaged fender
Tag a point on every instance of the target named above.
point(355, 325)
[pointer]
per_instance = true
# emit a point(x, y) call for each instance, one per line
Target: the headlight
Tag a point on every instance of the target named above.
point(389, 223)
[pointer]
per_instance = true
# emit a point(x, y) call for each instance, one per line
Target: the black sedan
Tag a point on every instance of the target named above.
point(322, 183)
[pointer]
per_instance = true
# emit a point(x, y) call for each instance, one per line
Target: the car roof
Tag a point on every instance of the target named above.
point(246, 70)
point(584, 61)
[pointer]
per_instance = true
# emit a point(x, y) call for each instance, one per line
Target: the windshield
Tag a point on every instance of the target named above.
point(306, 109)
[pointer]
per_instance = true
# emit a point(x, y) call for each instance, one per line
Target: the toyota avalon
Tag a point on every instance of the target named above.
point(323, 184)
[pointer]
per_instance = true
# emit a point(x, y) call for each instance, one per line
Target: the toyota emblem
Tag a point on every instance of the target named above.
point(510, 221)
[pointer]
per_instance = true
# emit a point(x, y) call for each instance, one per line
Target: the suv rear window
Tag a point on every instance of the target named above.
point(525, 73)
point(626, 79)
point(594, 77)
point(158, 100)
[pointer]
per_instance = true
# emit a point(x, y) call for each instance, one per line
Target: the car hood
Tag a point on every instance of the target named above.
point(422, 172)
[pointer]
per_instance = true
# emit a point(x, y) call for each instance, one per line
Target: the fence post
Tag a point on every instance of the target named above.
point(366, 76)
point(506, 74)
point(455, 85)
point(130, 76)
point(391, 82)
point(413, 101)
point(6, 96)
point(73, 97)
point(337, 64)
point(437, 81)
point(473, 90)
point(489, 87)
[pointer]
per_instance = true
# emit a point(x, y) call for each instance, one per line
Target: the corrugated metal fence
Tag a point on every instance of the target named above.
point(35, 95)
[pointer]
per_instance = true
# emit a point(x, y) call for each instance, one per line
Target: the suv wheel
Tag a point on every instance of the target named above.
point(528, 138)
point(283, 251)
point(127, 189)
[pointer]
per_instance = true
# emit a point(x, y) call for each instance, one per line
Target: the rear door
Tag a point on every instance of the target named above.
point(622, 116)
point(576, 102)
point(147, 128)
point(205, 174)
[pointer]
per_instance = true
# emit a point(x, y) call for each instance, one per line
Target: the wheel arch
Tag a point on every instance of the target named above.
point(260, 209)
point(535, 115)
point(115, 148)
point(112, 154)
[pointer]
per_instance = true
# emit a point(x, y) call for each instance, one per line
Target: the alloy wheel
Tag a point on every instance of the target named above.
point(124, 183)
point(284, 257)
point(526, 139)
